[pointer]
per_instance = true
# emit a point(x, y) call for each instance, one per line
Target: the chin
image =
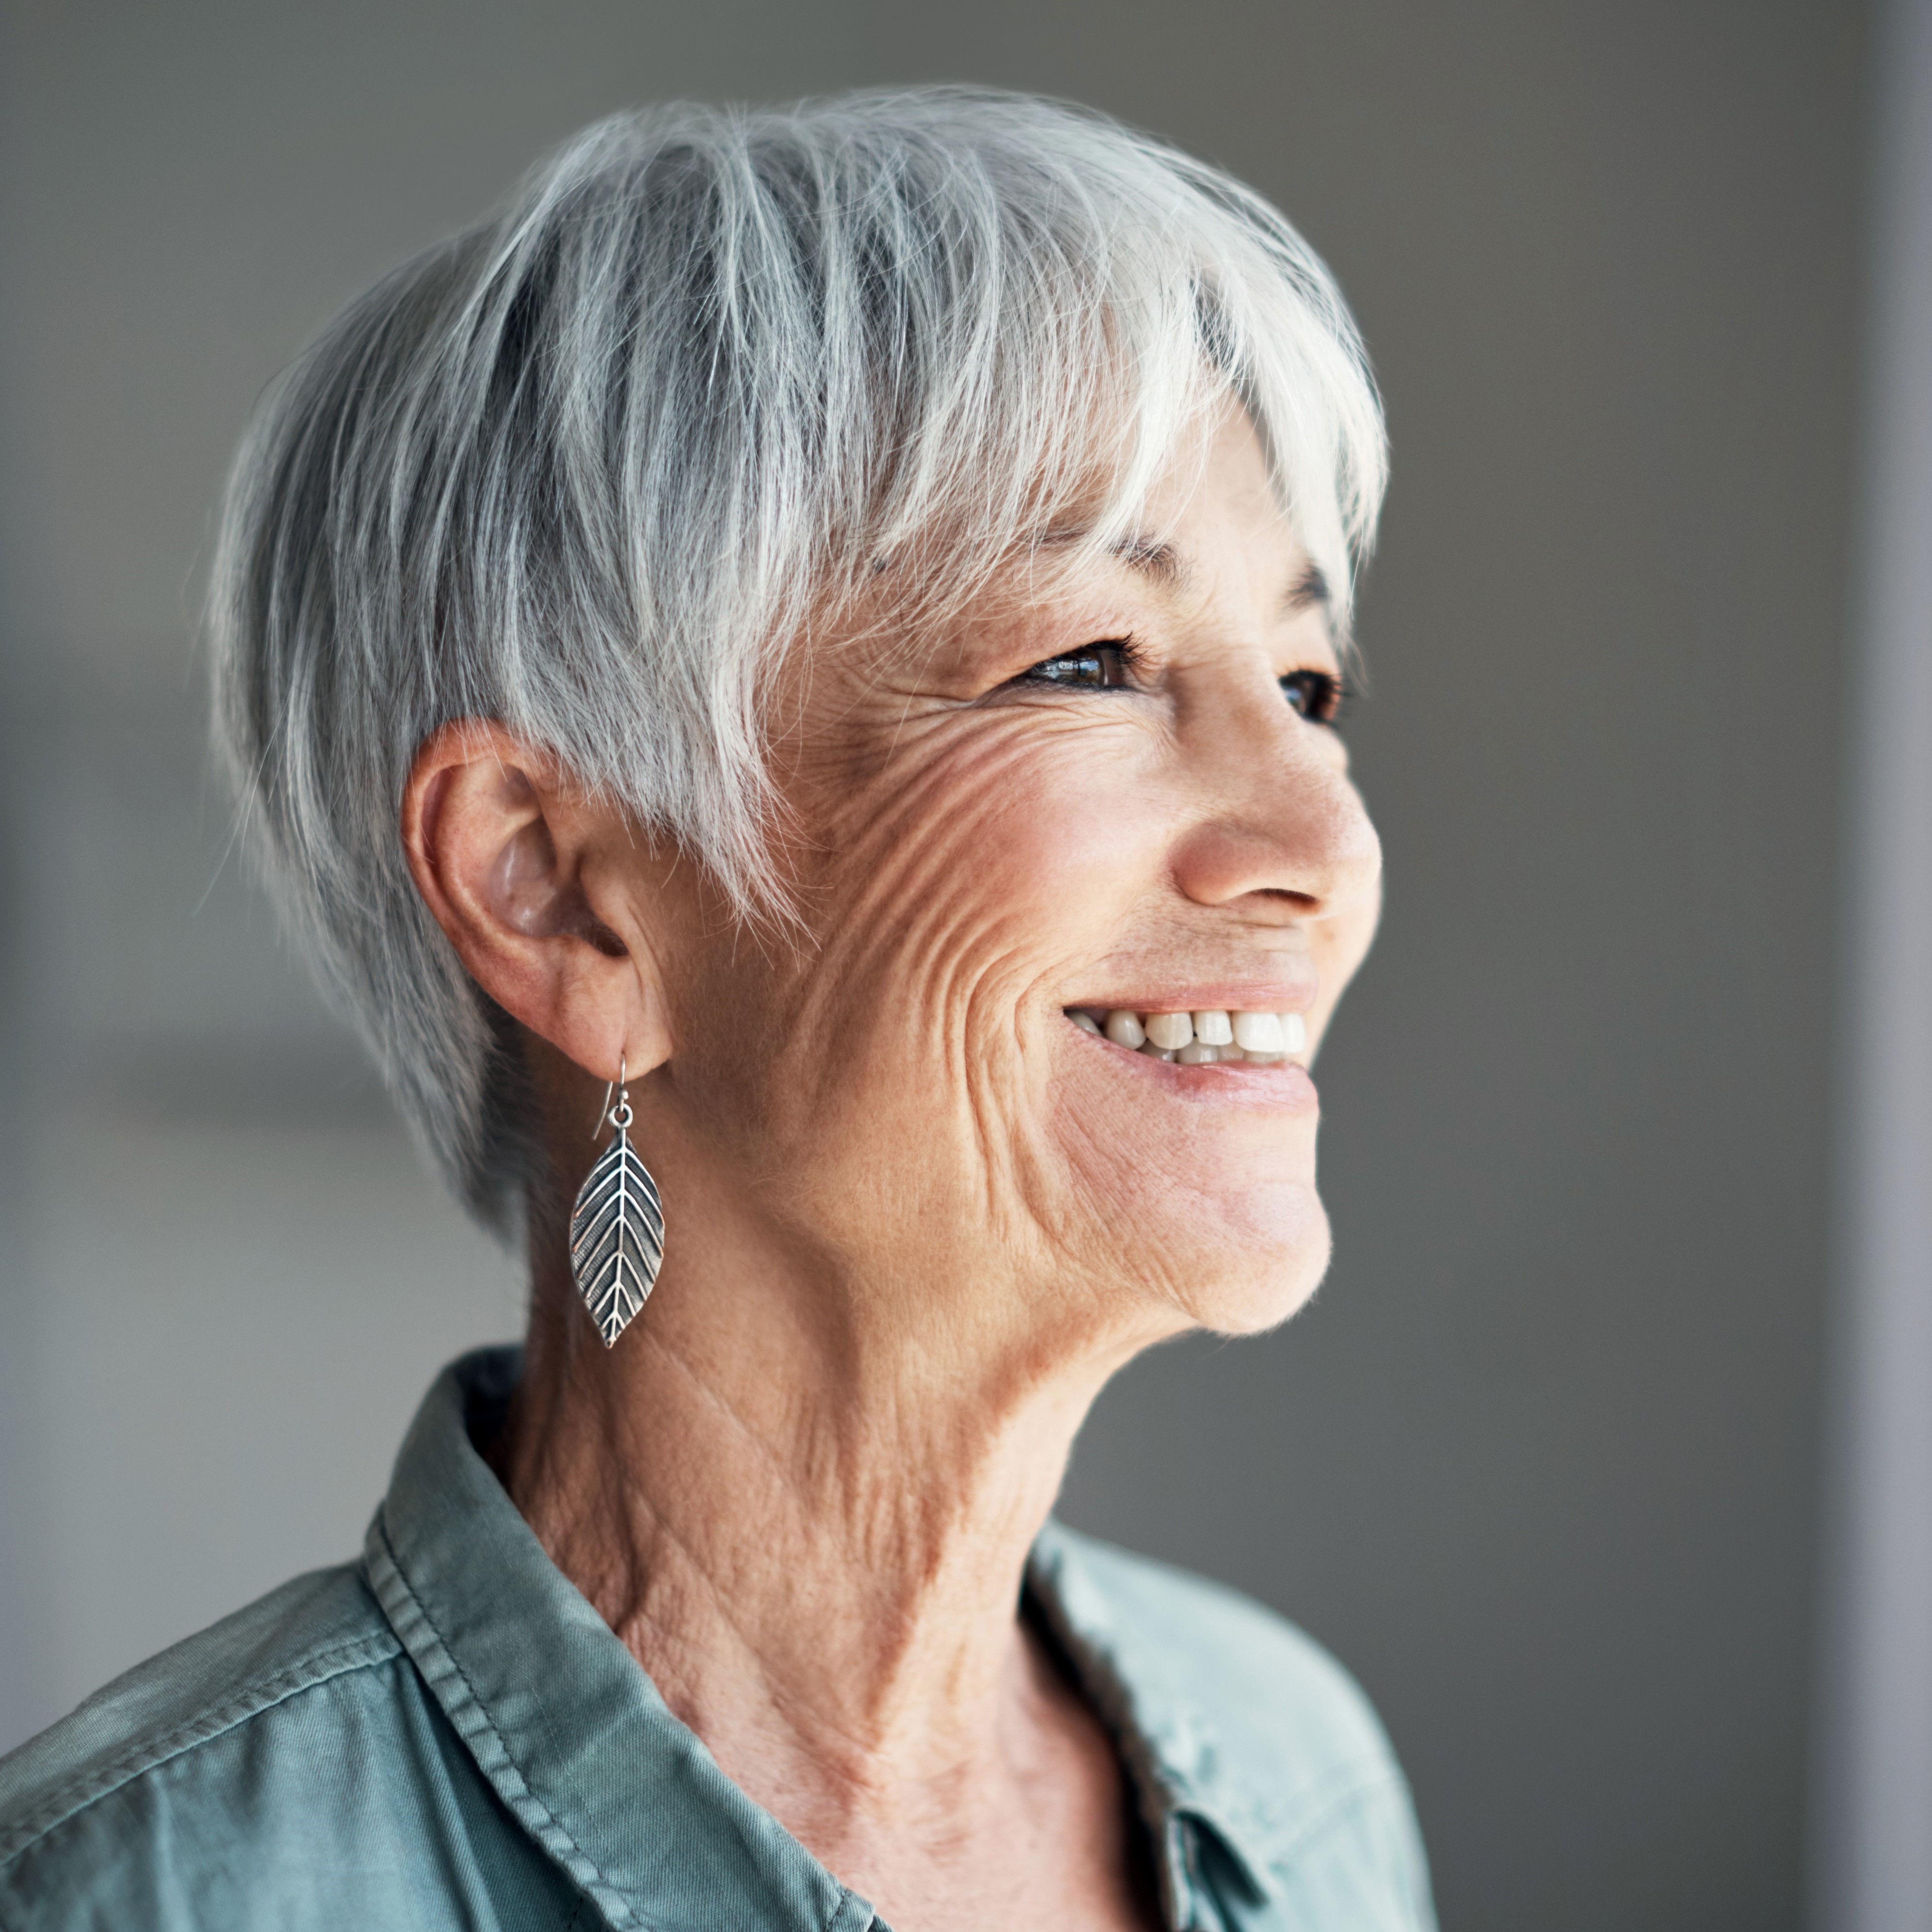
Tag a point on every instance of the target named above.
point(1262, 1300)
point(1259, 1268)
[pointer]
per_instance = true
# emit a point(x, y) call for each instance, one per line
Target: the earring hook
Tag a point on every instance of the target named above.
point(619, 1085)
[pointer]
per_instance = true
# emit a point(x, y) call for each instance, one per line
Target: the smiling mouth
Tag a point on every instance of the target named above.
point(1207, 1039)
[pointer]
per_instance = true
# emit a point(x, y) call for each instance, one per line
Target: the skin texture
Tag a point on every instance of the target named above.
point(916, 1219)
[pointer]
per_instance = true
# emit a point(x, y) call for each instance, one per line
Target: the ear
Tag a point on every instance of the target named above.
point(512, 860)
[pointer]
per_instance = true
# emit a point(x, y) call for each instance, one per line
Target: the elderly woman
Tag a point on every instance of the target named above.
point(790, 680)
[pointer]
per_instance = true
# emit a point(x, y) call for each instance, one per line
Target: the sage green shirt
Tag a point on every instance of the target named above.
point(445, 1735)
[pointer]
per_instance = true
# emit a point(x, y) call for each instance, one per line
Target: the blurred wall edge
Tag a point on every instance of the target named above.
point(1872, 1871)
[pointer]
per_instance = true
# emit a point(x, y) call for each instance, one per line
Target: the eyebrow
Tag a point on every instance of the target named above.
point(1166, 565)
point(1307, 591)
point(1160, 561)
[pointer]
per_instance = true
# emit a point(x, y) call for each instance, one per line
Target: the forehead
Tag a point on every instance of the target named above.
point(1216, 492)
point(1212, 530)
point(1214, 509)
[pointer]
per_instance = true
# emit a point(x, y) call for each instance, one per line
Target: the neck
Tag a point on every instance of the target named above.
point(807, 1518)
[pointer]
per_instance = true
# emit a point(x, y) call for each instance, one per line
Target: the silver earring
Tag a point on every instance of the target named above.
point(617, 1228)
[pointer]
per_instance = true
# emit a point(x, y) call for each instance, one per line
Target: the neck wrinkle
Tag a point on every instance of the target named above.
point(822, 1582)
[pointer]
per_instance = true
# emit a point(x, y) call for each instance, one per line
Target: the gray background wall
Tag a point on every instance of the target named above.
point(1540, 1462)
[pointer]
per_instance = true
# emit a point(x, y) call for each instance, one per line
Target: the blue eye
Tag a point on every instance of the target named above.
point(1093, 667)
point(1317, 695)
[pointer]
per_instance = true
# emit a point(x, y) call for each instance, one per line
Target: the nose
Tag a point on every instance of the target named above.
point(1280, 833)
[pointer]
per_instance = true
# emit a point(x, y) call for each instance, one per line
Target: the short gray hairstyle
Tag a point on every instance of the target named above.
point(591, 468)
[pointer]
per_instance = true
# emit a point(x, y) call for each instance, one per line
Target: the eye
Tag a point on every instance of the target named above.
point(1317, 695)
point(1093, 667)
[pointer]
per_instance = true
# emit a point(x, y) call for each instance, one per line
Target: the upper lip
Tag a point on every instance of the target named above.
point(1275, 995)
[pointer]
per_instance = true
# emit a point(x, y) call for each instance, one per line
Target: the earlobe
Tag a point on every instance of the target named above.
point(497, 849)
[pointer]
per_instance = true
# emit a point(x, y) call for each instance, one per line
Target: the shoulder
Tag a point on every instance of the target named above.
point(311, 1630)
point(1249, 1715)
point(251, 1737)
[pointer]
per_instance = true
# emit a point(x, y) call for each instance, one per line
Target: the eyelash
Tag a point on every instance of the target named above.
point(1114, 660)
point(1322, 695)
point(1317, 695)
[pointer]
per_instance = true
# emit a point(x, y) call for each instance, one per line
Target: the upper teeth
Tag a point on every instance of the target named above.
point(1197, 1038)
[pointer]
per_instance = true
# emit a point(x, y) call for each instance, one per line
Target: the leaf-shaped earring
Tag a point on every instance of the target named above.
point(617, 1228)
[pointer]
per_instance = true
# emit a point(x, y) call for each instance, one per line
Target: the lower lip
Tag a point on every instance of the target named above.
point(1284, 1085)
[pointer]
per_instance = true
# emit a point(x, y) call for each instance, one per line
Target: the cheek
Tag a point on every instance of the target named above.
point(991, 864)
point(947, 891)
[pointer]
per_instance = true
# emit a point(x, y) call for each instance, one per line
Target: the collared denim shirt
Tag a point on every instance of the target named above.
point(446, 1734)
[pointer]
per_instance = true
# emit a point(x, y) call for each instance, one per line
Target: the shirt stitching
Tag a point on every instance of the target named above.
point(1280, 1825)
point(67, 1801)
point(1366, 1779)
point(471, 1705)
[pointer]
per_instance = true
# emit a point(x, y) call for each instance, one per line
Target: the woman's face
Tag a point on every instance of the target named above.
point(1123, 794)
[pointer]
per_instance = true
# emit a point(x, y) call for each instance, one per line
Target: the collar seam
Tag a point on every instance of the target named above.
point(518, 1795)
point(1270, 1845)
point(1348, 1785)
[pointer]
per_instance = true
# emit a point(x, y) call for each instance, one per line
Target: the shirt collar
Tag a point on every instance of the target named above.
point(1191, 1797)
point(557, 1714)
point(624, 1796)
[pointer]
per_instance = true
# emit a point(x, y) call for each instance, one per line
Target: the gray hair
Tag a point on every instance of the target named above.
point(589, 469)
